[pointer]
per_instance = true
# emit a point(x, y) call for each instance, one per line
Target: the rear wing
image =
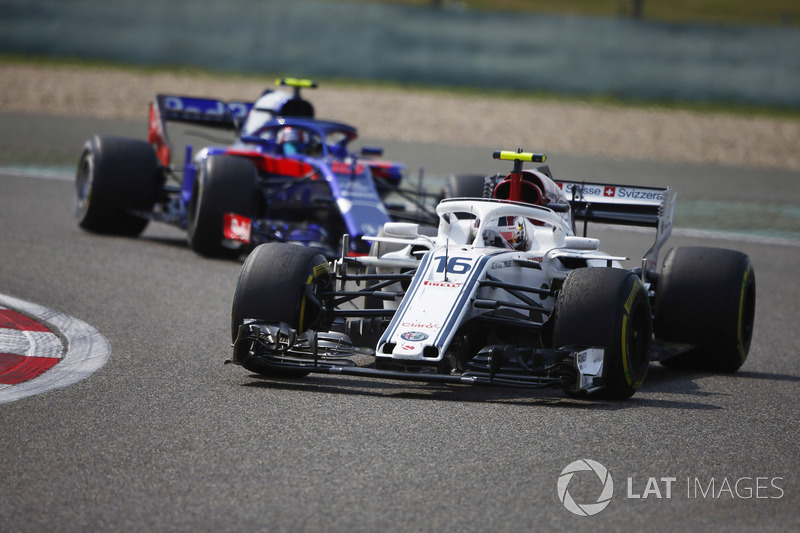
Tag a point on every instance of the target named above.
point(614, 204)
point(606, 203)
point(215, 113)
point(208, 112)
point(625, 205)
point(204, 111)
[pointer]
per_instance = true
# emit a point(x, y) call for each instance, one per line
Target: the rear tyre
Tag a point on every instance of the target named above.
point(463, 186)
point(272, 286)
point(117, 183)
point(224, 184)
point(706, 297)
point(607, 308)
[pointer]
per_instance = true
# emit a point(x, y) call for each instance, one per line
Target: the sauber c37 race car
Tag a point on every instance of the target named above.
point(288, 178)
point(505, 293)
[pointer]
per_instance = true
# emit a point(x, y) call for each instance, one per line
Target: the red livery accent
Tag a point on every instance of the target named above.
point(236, 227)
point(280, 166)
point(448, 284)
point(156, 135)
point(345, 168)
point(415, 325)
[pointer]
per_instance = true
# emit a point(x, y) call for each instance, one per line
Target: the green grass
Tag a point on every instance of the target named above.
point(765, 12)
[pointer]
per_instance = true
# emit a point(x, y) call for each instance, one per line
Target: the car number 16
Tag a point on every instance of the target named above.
point(454, 265)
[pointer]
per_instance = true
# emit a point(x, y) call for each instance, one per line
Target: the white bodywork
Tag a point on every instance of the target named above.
point(465, 253)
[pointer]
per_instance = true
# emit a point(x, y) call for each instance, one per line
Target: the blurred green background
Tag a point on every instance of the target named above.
point(736, 52)
point(772, 12)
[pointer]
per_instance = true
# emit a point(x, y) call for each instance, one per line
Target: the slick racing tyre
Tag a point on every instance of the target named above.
point(273, 286)
point(117, 184)
point(224, 184)
point(607, 308)
point(706, 297)
point(463, 186)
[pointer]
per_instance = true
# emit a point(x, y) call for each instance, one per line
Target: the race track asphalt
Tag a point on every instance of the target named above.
point(164, 437)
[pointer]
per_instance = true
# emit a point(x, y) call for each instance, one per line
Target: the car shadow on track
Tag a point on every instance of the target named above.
point(180, 242)
point(681, 381)
point(672, 381)
point(661, 380)
point(349, 385)
point(177, 242)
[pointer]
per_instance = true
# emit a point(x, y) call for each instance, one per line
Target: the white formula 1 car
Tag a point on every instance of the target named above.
point(504, 293)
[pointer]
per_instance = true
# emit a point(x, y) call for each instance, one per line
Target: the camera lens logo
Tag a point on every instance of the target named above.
point(585, 509)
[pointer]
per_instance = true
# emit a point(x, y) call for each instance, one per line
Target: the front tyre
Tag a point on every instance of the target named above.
point(117, 182)
point(224, 184)
point(607, 308)
point(275, 285)
point(706, 297)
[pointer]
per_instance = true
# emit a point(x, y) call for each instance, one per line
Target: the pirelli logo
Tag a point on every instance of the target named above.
point(447, 284)
point(631, 297)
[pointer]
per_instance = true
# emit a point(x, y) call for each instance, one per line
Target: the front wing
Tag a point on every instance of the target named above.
point(263, 347)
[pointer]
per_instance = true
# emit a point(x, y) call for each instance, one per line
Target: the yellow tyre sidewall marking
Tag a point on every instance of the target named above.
point(742, 293)
point(626, 363)
point(317, 271)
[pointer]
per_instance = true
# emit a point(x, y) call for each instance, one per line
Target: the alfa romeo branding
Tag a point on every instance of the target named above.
point(414, 336)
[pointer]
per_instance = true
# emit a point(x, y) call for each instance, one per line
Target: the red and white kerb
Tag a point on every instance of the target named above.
point(28, 348)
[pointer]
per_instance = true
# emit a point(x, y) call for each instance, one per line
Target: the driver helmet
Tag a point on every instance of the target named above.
point(513, 231)
point(292, 140)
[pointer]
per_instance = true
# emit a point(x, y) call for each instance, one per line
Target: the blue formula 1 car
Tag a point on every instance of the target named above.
point(288, 177)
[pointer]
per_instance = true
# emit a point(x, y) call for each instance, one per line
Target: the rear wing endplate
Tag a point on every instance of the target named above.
point(208, 112)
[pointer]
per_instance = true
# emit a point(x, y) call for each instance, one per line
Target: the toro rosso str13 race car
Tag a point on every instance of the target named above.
point(288, 178)
point(504, 293)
